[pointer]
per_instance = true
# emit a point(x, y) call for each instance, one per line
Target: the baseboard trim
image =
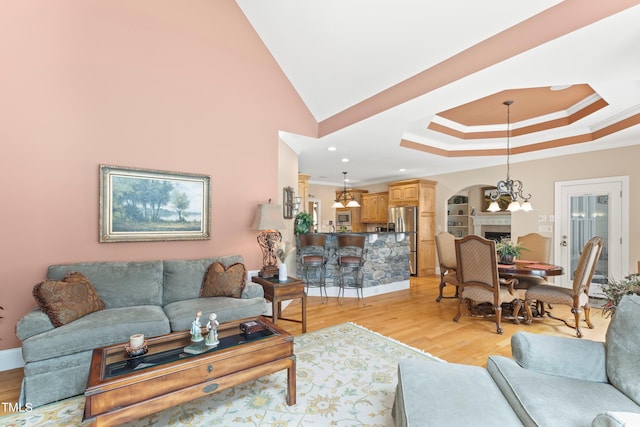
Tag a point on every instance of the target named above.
point(11, 359)
point(369, 291)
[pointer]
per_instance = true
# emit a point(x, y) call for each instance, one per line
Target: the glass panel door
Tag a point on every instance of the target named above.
point(589, 217)
point(585, 209)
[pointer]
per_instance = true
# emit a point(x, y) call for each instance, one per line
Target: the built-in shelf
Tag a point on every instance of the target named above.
point(458, 215)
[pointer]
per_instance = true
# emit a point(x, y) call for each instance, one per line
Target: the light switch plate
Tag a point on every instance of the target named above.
point(545, 229)
point(542, 218)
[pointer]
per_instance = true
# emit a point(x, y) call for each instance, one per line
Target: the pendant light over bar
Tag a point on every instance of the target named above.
point(345, 199)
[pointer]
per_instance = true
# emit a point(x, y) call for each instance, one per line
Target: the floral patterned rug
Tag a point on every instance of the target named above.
point(346, 376)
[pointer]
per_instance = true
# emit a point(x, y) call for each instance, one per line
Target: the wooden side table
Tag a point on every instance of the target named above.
point(277, 291)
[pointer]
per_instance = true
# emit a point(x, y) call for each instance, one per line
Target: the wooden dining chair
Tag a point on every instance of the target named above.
point(446, 250)
point(478, 280)
point(577, 297)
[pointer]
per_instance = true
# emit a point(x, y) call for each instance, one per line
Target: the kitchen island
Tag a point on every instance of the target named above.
point(386, 266)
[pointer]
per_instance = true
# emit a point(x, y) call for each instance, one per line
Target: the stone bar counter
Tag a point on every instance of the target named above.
point(386, 266)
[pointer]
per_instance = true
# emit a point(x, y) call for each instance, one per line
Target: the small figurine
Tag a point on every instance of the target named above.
point(196, 328)
point(212, 331)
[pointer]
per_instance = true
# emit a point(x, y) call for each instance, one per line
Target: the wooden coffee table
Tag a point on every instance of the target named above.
point(121, 389)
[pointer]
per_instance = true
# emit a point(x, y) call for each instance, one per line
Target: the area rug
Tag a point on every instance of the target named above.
point(346, 376)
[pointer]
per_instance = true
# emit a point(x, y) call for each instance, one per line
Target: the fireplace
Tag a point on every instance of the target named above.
point(496, 235)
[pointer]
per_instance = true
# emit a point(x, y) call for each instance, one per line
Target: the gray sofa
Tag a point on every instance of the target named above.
point(551, 381)
point(150, 297)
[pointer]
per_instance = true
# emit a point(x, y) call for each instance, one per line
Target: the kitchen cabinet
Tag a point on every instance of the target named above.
point(404, 194)
point(374, 208)
point(420, 193)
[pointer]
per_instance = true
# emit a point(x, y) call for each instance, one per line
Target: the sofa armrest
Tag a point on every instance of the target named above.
point(252, 290)
point(33, 323)
point(567, 357)
point(616, 419)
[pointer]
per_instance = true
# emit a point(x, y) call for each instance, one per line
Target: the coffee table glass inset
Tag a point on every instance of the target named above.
point(121, 389)
point(115, 366)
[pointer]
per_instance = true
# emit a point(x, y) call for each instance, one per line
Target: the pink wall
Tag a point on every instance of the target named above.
point(178, 86)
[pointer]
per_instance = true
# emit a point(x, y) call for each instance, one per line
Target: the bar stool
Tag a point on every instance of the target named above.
point(312, 256)
point(351, 254)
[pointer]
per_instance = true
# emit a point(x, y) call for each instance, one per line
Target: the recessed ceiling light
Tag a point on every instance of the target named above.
point(345, 160)
point(332, 148)
point(403, 170)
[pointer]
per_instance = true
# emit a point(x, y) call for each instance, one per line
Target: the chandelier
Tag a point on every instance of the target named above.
point(510, 187)
point(345, 199)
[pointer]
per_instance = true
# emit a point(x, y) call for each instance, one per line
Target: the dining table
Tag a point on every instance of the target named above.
point(529, 268)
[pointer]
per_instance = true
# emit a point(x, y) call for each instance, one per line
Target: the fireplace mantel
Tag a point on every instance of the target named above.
point(499, 222)
point(480, 220)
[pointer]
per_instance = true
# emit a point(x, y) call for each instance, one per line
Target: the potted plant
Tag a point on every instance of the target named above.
point(303, 223)
point(509, 250)
point(614, 290)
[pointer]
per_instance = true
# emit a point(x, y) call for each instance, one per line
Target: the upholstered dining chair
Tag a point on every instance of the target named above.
point(478, 281)
point(577, 297)
point(312, 257)
point(538, 249)
point(446, 250)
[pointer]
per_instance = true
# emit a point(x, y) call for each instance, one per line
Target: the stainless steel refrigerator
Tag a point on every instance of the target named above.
point(404, 219)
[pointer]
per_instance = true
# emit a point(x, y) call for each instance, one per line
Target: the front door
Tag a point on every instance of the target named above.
point(588, 208)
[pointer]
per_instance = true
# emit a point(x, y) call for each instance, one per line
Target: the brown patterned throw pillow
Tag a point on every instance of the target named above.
point(67, 300)
point(223, 282)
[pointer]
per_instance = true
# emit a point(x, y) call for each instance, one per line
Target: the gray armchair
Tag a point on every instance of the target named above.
point(566, 381)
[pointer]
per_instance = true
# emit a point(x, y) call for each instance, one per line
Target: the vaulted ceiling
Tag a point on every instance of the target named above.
point(413, 88)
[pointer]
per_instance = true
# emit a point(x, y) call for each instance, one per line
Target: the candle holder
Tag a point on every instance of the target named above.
point(136, 351)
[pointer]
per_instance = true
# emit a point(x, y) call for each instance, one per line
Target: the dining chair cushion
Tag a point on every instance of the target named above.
point(552, 294)
point(623, 347)
point(480, 294)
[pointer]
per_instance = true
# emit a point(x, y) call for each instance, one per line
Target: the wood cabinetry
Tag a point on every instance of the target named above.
point(374, 208)
point(404, 194)
point(420, 193)
point(303, 191)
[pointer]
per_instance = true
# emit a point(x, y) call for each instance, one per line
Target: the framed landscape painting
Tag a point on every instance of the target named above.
point(141, 205)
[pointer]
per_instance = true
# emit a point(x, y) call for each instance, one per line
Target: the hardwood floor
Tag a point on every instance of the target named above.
point(411, 316)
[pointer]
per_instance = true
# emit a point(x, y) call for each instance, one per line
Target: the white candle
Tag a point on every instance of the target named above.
point(136, 340)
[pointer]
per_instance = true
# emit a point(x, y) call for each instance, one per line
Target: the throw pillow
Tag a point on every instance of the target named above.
point(67, 300)
point(223, 282)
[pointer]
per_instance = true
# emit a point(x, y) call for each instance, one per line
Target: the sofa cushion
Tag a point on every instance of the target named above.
point(183, 278)
point(616, 419)
point(553, 400)
point(623, 347)
point(119, 284)
point(574, 358)
point(448, 394)
point(182, 313)
point(221, 281)
point(67, 300)
point(98, 329)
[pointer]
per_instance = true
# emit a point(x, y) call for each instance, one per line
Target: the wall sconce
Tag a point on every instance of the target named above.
point(290, 203)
